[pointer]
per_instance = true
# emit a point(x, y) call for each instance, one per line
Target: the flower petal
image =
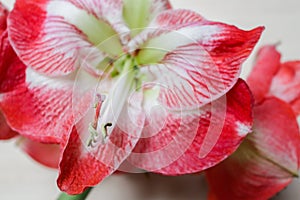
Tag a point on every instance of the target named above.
point(138, 14)
point(286, 83)
point(3, 17)
point(263, 165)
point(45, 154)
point(203, 63)
point(40, 109)
point(53, 37)
point(192, 142)
point(268, 137)
point(78, 168)
point(5, 131)
point(12, 70)
point(296, 106)
point(110, 11)
point(87, 160)
point(263, 72)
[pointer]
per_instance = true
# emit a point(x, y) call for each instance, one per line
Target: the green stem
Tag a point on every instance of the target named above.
point(82, 196)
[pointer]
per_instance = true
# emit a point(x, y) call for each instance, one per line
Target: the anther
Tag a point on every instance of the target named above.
point(104, 129)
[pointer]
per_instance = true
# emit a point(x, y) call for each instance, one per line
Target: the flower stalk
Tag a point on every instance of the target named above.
point(82, 196)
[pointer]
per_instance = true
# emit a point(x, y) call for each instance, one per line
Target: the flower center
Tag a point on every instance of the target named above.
point(108, 107)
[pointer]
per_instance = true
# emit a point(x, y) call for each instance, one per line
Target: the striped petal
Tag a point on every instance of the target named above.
point(191, 142)
point(266, 66)
point(5, 131)
point(266, 161)
point(158, 6)
point(56, 36)
point(88, 158)
point(41, 109)
point(45, 154)
point(199, 60)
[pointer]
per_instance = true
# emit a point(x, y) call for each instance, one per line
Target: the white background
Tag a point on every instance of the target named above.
point(22, 178)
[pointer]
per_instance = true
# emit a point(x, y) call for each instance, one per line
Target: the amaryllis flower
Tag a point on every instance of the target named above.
point(128, 82)
point(5, 131)
point(270, 77)
point(12, 76)
point(268, 158)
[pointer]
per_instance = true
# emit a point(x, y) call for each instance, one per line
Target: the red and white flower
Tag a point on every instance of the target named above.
point(268, 158)
point(5, 130)
point(12, 77)
point(126, 82)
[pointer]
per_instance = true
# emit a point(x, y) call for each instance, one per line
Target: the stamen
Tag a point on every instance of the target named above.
point(104, 129)
point(93, 135)
point(93, 125)
point(97, 106)
point(108, 112)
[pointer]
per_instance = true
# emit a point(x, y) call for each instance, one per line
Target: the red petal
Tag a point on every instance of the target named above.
point(267, 159)
point(275, 122)
point(296, 106)
point(12, 70)
point(5, 130)
point(45, 154)
point(78, 168)
point(267, 65)
point(201, 60)
point(84, 165)
point(47, 40)
point(3, 17)
point(189, 143)
point(286, 83)
point(42, 108)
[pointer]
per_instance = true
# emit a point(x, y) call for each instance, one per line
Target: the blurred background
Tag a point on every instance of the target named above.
point(22, 178)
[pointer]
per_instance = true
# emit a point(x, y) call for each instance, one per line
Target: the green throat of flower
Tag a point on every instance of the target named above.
point(127, 79)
